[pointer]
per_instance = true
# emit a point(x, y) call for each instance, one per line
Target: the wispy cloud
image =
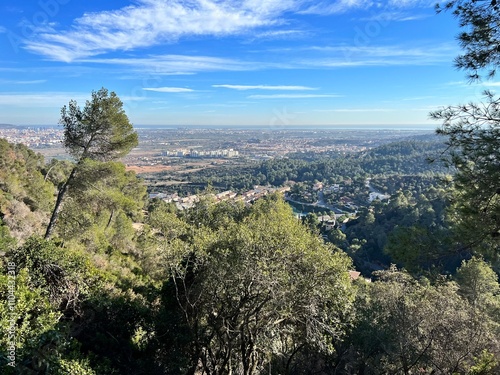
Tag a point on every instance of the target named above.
point(151, 22)
point(339, 6)
point(265, 87)
point(40, 99)
point(175, 64)
point(2, 30)
point(457, 83)
point(49, 99)
point(14, 82)
point(148, 23)
point(388, 50)
point(355, 110)
point(342, 6)
point(392, 16)
point(293, 96)
point(418, 98)
point(168, 89)
point(341, 63)
point(491, 84)
point(345, 56)
point(279, 34)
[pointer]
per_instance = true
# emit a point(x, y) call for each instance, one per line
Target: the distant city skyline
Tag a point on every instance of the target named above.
point(266, 63)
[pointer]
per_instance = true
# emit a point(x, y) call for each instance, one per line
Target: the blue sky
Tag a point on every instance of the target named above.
point(237, 62)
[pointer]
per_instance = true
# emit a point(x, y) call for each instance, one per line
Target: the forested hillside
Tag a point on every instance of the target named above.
point(402, 158)
point(224, 287)
point(127, 285)
point(98, 279)
point(25, 194)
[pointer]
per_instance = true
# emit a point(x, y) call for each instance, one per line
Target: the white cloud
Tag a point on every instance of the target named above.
point(41, 99)
point(175, 64)
point(345, 56)
point(49, 99)
point(151, 22)
point(148, 23)
point(168, 89)
point(265, 87)
point(356, 110)
point(457, 83)
point(388, 50)
point(342, 6)
point(418, 98)
point(391, 16)
point(14, 82)
point(491, 84)
point(293, 96)
point(2, 30)
point(280, 34)
point(338, 6)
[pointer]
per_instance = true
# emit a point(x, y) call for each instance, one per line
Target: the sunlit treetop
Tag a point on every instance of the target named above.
point(99, 131)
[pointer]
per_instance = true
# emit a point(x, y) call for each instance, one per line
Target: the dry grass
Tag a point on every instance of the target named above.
point(148, 168)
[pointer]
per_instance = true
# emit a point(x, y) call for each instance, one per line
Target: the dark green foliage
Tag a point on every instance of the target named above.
point(67, 277)
point(256, 289)
point(407, 326)
point(312, 222)
point(51, 285)
point(400, 158)
point(479, 285)
point(105, 200)
point(473, 138)
point(417, 184)
point(415, 231)
point(6, 241)
point(215, 216)
point(480, 37)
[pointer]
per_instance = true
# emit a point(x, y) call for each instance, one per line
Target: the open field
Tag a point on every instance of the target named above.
point(140, 169)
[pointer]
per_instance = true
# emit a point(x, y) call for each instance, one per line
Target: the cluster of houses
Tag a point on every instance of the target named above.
point(183, 203)
point(328, 222)
point(33, 137)
point(259, 192)
point(202, 154)
point(335, 188)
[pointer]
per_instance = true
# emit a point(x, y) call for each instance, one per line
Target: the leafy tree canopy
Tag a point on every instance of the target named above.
point(256, 289)
point(99, 131)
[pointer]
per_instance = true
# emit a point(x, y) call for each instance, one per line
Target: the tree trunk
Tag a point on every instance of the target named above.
point(47, 174)
point(110, 218)
point(57, 208)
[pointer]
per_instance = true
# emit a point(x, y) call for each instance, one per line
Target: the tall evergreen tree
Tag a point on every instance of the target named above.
point(100, 131)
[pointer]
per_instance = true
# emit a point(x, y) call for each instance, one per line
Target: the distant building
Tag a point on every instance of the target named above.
point(317, 186)
point(373, 195)
point(327, 221)
point(203, 154)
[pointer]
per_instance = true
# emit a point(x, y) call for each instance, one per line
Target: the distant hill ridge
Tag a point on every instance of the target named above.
point(7, 126)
